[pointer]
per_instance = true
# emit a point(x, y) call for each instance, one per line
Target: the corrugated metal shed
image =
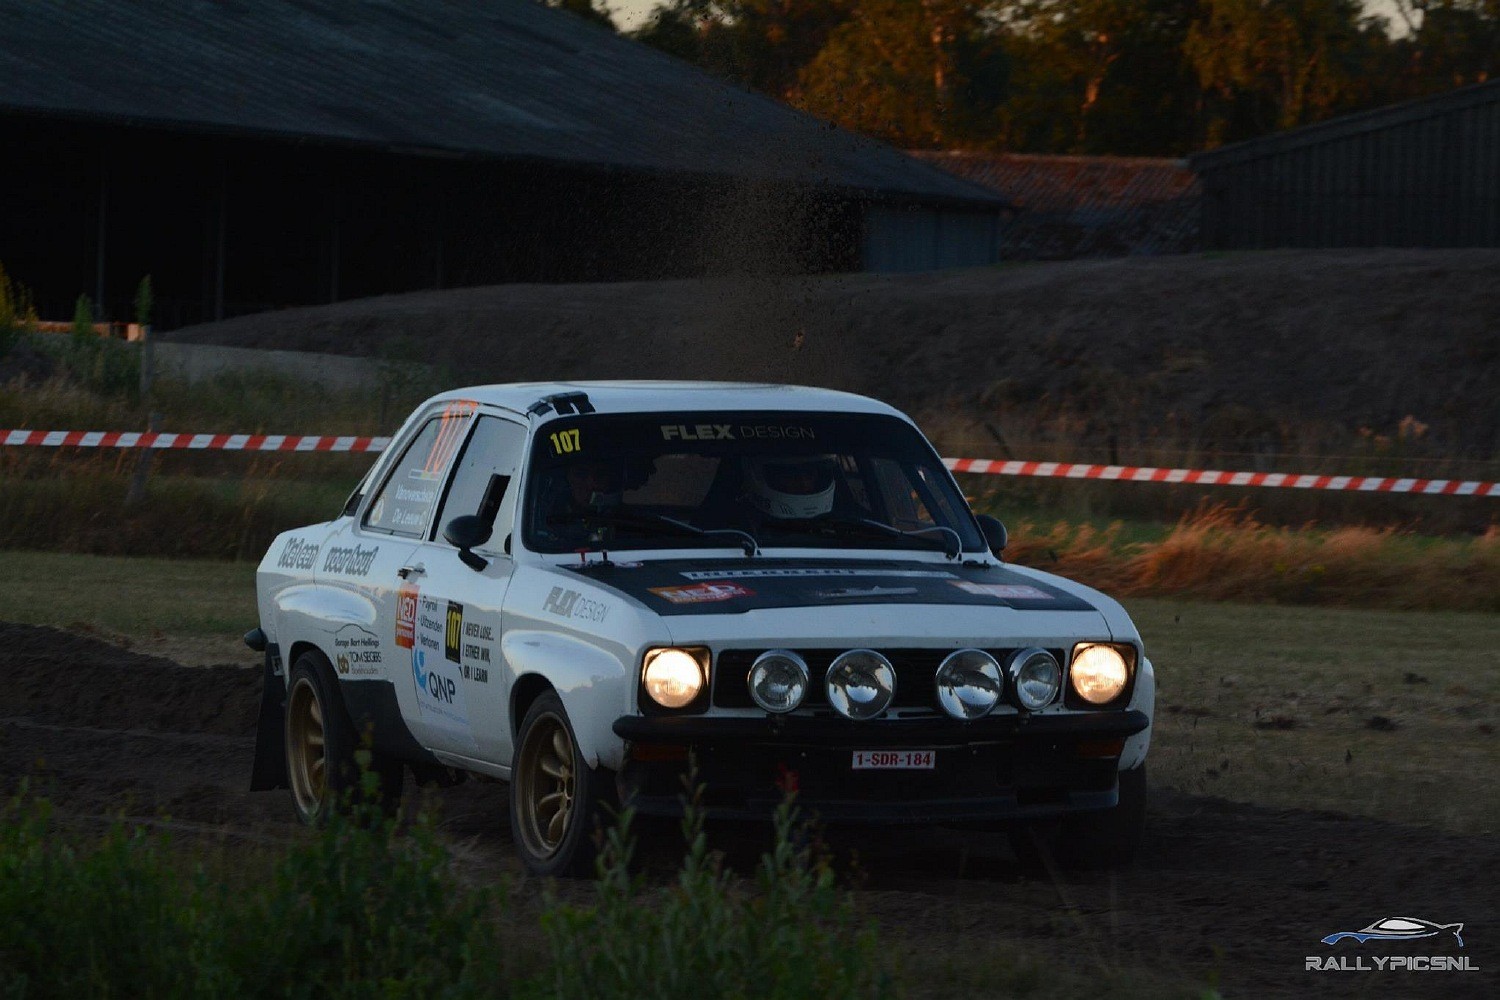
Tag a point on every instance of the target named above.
point(1422, 173)
point(484, 78)
point(1086, 206)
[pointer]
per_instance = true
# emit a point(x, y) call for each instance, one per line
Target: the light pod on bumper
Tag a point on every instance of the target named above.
point(969, 684)
point(1099, 673)
point(860, 684)
point(1035, 678)
point(672, 677)
point(778, 680)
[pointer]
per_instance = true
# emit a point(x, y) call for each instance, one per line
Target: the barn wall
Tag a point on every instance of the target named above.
point(1421, 180)
point(230, 226)
point(912, 238)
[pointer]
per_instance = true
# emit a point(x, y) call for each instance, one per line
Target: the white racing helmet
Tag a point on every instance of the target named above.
point(795, 487)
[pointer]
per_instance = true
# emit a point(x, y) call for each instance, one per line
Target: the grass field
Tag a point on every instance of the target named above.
point(1380, 713)
point(193, 611)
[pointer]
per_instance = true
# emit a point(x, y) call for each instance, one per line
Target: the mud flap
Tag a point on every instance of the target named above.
point(269, 769)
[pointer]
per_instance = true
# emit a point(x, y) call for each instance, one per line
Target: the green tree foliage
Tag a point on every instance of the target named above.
point(1101, 76)
point(145, 301)
point(1161, 77)
point(1448, 43)
point(83, 322)
point(914, 72)
point(16, 312)
point(761, 44)
point(1282, 63)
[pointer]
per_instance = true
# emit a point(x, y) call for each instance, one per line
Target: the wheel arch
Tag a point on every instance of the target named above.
point(325, 665)
point(592, 682)
point(527, 689)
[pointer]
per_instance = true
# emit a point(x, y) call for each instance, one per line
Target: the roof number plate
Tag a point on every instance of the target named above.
point(894, 760)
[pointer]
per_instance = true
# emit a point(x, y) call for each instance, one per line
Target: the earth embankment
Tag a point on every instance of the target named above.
point(1281, 351)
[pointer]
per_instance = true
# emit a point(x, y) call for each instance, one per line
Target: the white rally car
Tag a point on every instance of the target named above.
point(582, 588)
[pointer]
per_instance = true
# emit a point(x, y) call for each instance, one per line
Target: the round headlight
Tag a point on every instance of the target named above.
point(1099, 674)
point(968, 684)
point(1035, 678)
point(861, 684)
point(673, 677)
point(778, 680)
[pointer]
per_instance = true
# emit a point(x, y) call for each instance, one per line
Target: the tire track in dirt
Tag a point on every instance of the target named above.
point(1222, 888)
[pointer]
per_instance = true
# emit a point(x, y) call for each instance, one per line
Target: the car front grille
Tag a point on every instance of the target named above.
point(915, 670)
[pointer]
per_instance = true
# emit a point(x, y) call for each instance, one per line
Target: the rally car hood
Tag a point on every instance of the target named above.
point(696, 587)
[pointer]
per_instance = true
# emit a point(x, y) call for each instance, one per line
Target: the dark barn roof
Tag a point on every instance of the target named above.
point(1360, 123)
point(1086, 206)
point(483, 78)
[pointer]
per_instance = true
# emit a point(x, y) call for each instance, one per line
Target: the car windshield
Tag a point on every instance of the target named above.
point(752, 480)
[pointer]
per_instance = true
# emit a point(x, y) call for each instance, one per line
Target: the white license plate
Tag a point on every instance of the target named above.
point(894, 760)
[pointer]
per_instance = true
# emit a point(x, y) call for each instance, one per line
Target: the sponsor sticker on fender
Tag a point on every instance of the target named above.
point(702, 593)
point(440, 693)
point(406, 616)
point(1004, 591)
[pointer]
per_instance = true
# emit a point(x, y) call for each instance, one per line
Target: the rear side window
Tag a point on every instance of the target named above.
point(407, 497)
point(483, 483)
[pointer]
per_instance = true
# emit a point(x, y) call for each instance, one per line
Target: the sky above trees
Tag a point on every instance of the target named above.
point(1122, 77)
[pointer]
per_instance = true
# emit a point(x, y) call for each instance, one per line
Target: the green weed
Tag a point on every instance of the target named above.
point(365, 907)
point(706, 935)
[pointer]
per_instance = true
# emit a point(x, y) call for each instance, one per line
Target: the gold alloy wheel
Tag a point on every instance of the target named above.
point(546, 786)
point(307, 754)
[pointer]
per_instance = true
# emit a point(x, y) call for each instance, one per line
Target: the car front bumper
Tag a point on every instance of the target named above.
point(1011, 767)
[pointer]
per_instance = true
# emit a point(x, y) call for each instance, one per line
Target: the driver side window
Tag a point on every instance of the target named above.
point(484, 483)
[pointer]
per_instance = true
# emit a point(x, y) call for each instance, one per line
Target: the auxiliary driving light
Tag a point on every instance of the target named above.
point(1035, 678)
point(778, 680)
point(1098, 672)
point(673, 677)
point(969, 684)
point(861, 684)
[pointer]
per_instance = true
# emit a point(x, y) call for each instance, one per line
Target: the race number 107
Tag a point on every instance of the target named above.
point(565, 442)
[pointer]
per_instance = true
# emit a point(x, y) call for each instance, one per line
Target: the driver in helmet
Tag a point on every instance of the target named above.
point(791, 488)
point(584, 487)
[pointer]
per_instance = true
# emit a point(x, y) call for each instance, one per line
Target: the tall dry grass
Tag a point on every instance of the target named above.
point(1224, 553)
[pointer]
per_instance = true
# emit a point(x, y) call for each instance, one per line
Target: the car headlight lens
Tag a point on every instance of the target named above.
point(1035, 678)
point(969, 684)
point(1099, 673)
point(778, 680)
point(861, 684)
point(673, 677)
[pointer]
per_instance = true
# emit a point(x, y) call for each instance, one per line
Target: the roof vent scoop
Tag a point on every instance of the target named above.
point(565, 403)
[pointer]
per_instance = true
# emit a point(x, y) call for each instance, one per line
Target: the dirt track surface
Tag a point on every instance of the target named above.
point(1223, 886)
point(1278, 350)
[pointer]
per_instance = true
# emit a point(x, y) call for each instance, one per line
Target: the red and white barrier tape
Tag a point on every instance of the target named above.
point(993, 467)
point(1210, 477)
point(196, 442)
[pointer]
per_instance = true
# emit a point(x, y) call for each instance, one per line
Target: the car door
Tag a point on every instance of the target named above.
point(401, 584)
point(468, 596)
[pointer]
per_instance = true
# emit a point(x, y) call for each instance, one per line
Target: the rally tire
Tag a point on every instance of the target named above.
point(321, 745)
point(1109, 838)
point(556, 800)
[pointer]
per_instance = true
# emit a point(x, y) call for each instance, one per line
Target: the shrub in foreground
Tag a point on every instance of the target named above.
point(363, 908)
point(106, 918)
point(360, 910)
point(706, 936)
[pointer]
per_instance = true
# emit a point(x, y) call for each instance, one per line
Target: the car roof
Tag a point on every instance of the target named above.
point(651, 396)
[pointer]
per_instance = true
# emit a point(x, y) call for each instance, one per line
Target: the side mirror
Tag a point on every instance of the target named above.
point(994, 533)
point(465, 532)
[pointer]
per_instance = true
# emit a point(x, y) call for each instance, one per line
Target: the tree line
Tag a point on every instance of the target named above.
point(1123, 77)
